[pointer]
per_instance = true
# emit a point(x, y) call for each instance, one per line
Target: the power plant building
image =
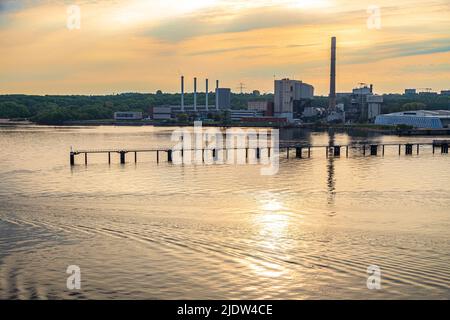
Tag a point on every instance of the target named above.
point(286, 92)
point(223, 98)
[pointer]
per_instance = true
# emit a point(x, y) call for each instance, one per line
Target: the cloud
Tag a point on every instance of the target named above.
point(219, 21)
point(224, 50)
point(395, 49)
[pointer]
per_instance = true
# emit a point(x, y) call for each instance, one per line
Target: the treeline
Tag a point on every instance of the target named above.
point(59, 109)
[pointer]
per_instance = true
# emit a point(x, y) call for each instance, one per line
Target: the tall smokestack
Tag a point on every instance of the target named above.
point(332, 97)
point(182, 93)
point(195, 94)
point(217, 95)
point(206, 96)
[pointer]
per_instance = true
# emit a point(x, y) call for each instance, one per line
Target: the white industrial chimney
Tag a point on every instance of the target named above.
point(195, 94)
point(206, 95)
point(182, 93)
point(217, 95)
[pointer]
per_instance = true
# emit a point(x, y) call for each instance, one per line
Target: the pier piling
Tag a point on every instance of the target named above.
point(408, 149)
point(373, 149)
point(298, 152)
point(337, 151)
point(72, 158)
point(122, 157)
point(169, 155)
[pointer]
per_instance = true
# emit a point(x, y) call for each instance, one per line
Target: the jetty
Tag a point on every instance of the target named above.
point(292, 150)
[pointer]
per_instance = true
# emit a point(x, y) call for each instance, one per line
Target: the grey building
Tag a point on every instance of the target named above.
point(286, 92)
point(223, 96)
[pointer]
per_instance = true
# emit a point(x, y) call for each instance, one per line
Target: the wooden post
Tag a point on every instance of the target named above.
point(373, 149)
point(383, 149)
point(444, 148)
point(408, 149)
point(157, 156)
point(287, 152)
point(399, 149)
point(72, 158)
point(364, 150)
point(258, 153)
point(85, 158)
point(298, 152)
point(109, 157)
point(433, 148)
point(418, 148)
point(309, 151)
point(135, 157)
point(326, 152)
point(346, 151)
point(169, 155)
point(337, 151)
point(122, 157)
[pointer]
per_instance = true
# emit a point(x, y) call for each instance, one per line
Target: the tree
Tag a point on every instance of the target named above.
point(11, 110)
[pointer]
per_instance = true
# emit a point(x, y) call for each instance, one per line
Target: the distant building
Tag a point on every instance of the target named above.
point(264, 106)
point(436, 119)
point(365, 105)
point(410, 92)
point(128, 115)
point(161, 113)
point(374, 103)
point(286, 92)
point(445, 92)
point(223, 98)
point(238, 115)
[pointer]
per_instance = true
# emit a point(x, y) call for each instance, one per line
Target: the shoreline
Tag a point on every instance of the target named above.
point(314, 127)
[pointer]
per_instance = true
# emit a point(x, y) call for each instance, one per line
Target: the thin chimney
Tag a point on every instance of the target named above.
point(195, 94)
point(217, 95)
point(206, 96)
point(332, 97)
point(182, 93)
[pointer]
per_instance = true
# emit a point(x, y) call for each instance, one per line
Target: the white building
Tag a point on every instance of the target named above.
point(374, 103)
point(286, 92)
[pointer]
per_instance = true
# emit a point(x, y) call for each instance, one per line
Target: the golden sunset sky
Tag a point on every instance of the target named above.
point(145, 45)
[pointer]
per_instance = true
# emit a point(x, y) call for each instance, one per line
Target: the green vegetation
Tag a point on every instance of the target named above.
point(59, 109)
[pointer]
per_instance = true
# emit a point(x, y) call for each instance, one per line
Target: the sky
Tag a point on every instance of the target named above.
point(112, 46)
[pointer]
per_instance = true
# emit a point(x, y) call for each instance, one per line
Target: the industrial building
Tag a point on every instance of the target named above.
point(365, 105)
point(161, 113)
point(223, 97)
point(430, 119)
point(128, 115)
point(410, 92)
point(264, 106)
point(286, 92)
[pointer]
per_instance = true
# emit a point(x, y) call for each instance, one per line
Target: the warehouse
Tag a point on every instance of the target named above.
point(430, 119)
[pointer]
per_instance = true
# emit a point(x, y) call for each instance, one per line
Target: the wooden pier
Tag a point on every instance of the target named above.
point(301, 151)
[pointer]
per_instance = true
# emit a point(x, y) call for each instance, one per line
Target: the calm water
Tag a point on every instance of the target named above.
point(224, 231)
